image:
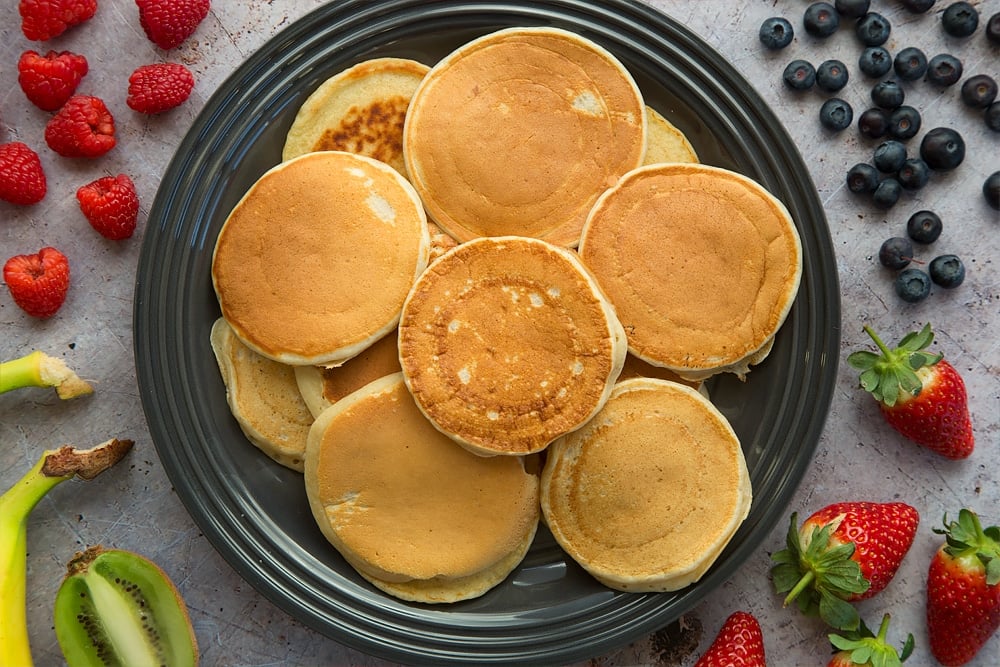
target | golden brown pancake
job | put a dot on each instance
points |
(519, 131)
(637, 368)
(702, 265)
(649, 492)
(664, 142)
(263, 397)
(407, 507)
(359, 110)
(314, 262)
(507, 343)
(440, 241)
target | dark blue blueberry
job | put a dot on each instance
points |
(862, 178)
(895, 253)
(873, 29)
(852, 9)
(889, 156)
(913, 285)
(924, 227)
(942, 149)
(979, 91)
(960, 19)
(993, 29)
(992, 116)
(836, 114)
(910, 64)
(904, 122)
(887, 193)
(831, 75)
(887, 94)
(873, 123)
(821, 19)
(776, 32)
(874, 61)
(948, 271)
(914, 174)
(918, 6)
(991, 190)
(944, 69)
(799, 75)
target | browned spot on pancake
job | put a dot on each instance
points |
(375, 130)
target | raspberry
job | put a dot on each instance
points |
(22, 180)
(45, 19)
(111, 205)
(38, 282)
(49, 80)
(156, 88)
(83, 127)
(167, 23)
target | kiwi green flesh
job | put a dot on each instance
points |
(117, 608)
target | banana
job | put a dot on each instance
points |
(53, 468)
(38, 369)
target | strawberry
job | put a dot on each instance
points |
(739, 643)
(49, 80)
(45, 19)
(864, 649)
(22, 179)
(168, 23)
(920, 394)
(843, 552)
(111, 205)
(38, 282)
(963, 589)
(83, 127)
(156, 88)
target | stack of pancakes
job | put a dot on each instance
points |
(485, 293)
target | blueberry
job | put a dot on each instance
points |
(887, 94)
(836, 114)
(913, 285)
(873, 29)
(895, 253)
(874, 61)
(873, 123)
(852, 9)
(799, 75)
(914, 174)
(918, 6)
(862, 178)
(991, 190)
(910, 64)
(821, 19)
(960, 19)
(944, 69)
(776, 32)
(904, 122)
(887, 193)
(942, 149)
(948, 271)
(979, 91)
(924, 227)
(992, 116)
(831, 75)
(889, 156)
(993, 29)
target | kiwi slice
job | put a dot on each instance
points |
(118, 608)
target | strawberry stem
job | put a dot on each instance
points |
(883, 348)
(803, 584)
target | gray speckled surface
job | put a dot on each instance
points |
(858, 456)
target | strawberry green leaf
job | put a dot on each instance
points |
(891, 375)
(836, 612)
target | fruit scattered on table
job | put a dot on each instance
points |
(991, 190)
(51, 79)
(863, 648)
(799, 75)
(22, 178)
(111, 205)
(38, 283)
(888, 94)
(873, 123)
(831, 75)
(45, 19)
(836, 114)
(887, 192)
(942, 149)
(904, 122)
(739, 643)
(159, 87)
(83, 127)
(168, 23)
(821, 19)
(914, 174)
(979, 91)
(875, 61)
(37, 369)
(895, 253)
(960, 19)
(862, 178)
(873, 29)
(924, 226)
(776, 32)
(912, 285)
(889, 156)
(947, 271)
(944, 69)
(852, 9)
(910, 64)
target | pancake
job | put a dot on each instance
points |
(264, 398)
(440, 241)
(702, 265)
(314, 262)
(407, 507)
(637, 368)
(507, 343)
(519, 131)
(359, 110)
(648, 493)
(664, 142)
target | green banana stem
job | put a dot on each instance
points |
(52, 468)
(38, 369)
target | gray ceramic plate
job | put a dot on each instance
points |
(255, 512)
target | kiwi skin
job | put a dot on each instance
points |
(118, 608)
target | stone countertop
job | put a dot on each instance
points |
(858, 457)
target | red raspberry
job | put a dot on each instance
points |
(156, 88)
(45, 19)
(50, 80)
(22, 180)
(169, 22)
(83, 127)
(111, 205)
(38, 282)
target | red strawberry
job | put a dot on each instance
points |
(83, 127)
(49, 80)
(111, 205)
(963, 590)
(169, 22)
(864, 649)
(739, 643)
(22, 179)
(919, 394)
(156, 88)
(45, 19)
(842, 553)
(38, 282)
